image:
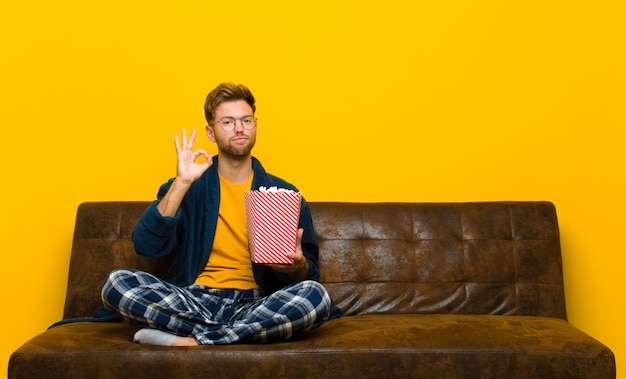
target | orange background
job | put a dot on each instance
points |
(357, 101)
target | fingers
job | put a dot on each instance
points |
(299, 238)
(192, 138)
(187, 169)
(185, 136)
(185, 152)
(187, 144)
(177, 143)
(201, 152)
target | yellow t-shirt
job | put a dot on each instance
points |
(229, 264)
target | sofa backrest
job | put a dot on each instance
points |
(469, 258)
(473, 258)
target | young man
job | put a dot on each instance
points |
(213, 293)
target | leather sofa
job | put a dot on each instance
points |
(428, 290)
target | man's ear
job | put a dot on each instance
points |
(210, 133)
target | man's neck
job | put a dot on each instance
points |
(236, 171)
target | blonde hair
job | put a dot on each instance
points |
(226, 92)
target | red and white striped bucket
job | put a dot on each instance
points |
(272, 218)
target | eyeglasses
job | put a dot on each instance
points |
(228, 123)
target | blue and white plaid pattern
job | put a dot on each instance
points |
(216, 316)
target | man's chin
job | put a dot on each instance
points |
(236, 154)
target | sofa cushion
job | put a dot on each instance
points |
(365, 346)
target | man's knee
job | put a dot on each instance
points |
(318, 295)
(114, 284)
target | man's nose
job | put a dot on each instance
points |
(238, 124)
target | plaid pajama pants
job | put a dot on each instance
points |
(216, 316)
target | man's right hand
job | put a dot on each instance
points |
(188, 169)
(187, 172)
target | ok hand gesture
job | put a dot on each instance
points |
(188, 169)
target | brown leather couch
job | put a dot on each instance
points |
(445, 290)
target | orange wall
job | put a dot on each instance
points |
(358, 101)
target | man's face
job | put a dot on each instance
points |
(237, 143)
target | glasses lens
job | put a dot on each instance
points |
(227, 123)
(247, 122)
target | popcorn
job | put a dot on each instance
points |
(275, 189)
(272, 216)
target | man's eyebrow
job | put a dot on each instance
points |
(245, 115)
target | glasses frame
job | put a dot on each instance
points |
(234, 125)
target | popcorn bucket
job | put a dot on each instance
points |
(272, 218)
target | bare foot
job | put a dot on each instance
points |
(184, 341)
